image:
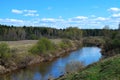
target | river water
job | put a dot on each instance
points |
(57, 67)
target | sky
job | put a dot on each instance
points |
(85, 14)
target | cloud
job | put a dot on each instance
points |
(82, 22)
(91, 21)
(77, 19)
(51, 20)
(114, 9)
(101, 19)
(116, 15)
(17, 11)
(11, 20)
(81, 17)
(31, 13)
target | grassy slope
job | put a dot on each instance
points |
(107, 69)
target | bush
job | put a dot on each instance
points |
(116, 43)
(4, 50)
(62, 45)
(44, 45)
(65, 43)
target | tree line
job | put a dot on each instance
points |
(8, 33)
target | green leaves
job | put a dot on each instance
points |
(44, 45)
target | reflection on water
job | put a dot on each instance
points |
(54, 69)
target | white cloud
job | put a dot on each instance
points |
(101, 19)
(26, 12)
(48, 20)
(51, 20)
(31, 14)
(116, 15)
(12, 20)
(30, 11)
(81, 17)
(114, 9)
(16, 11)
(78, 19)
(56, 23)
(97, 22)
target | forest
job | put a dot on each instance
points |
(13, 33)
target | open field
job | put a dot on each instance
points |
(20, 46)
(23, 46)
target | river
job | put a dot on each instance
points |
(57, 67)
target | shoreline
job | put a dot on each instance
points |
(38, 59)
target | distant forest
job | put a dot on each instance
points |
(8, 33)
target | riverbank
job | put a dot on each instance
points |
(21, 58)
(106, 69)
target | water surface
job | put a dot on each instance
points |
(43, 71)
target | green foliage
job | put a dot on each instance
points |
(44, 45)
(73, 33)
(4, 50)
(116, 43)
(112, 43)
(65, 43)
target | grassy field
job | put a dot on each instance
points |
(20, 46)
(107, 69)
(23, 46)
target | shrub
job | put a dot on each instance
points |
(4, 50)
(116, 43)
(44, 45)
(62, 45)
(65, 43)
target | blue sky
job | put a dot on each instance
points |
(61, 13)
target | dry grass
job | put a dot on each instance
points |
(23, 46)
(20, 46)
(56, 41)
(20, 43)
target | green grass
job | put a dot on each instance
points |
(107, 69)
